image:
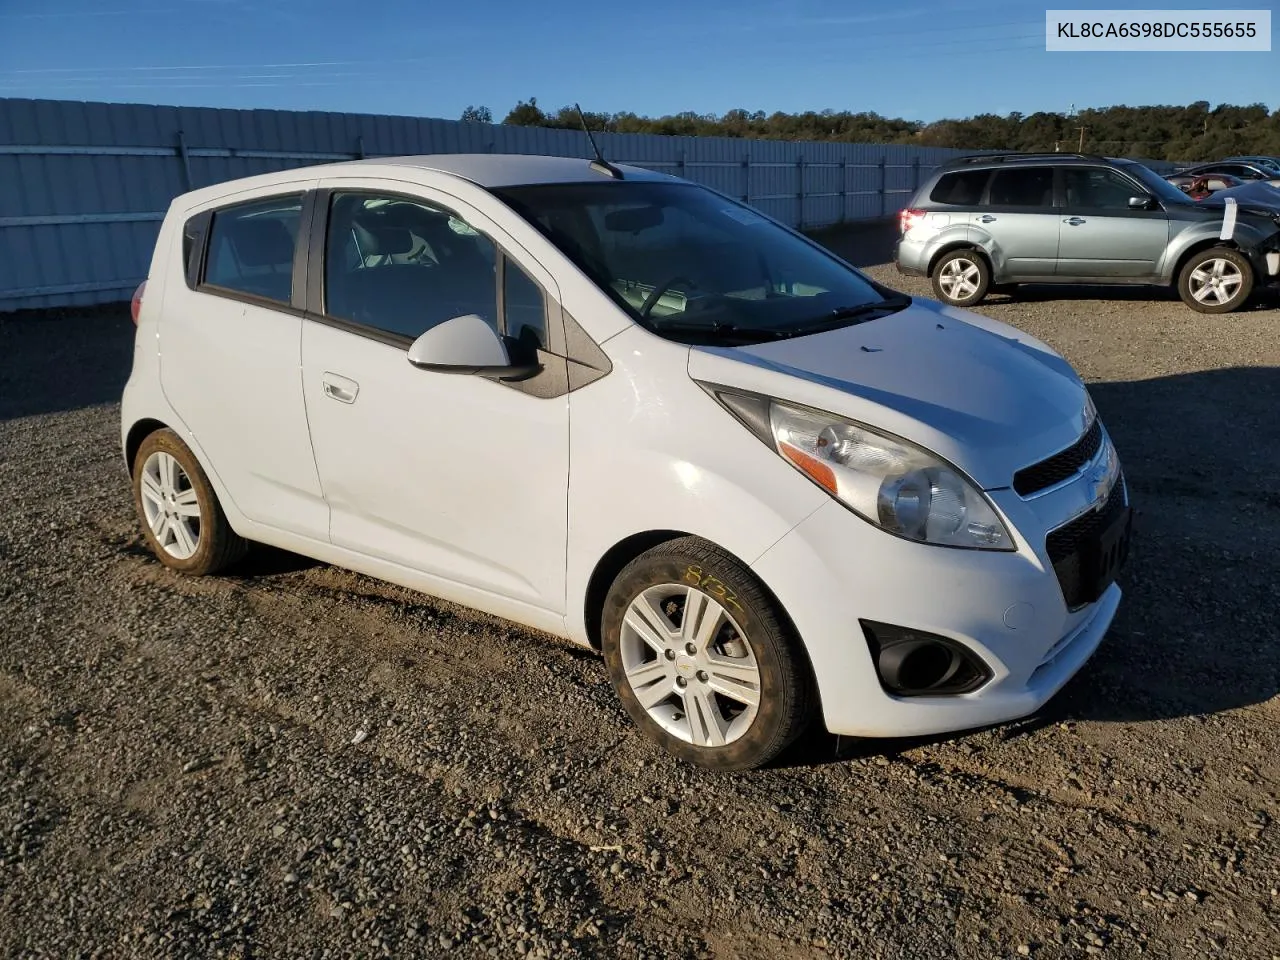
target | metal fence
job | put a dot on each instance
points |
(84, 186)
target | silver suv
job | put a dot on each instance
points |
(995, 221)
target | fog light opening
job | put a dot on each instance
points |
(913, 663)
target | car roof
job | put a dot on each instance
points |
(1236, 161)
(980, 160)
(510, 169)
(487, 170)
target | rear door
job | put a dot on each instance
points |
(1018, 224)
(230, 345)
(1100, 235)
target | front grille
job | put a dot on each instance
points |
(1074, 550)
(1060, 466)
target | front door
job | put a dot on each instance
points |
(1100, 235)
(458, 477)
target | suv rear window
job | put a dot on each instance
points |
(1022, 187)
(962, 188)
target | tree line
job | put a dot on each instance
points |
(1194, 132)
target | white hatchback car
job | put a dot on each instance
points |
(630, 411)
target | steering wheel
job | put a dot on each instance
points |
(652, 300)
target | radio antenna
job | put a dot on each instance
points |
(599, 164)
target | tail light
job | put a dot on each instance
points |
(909, 218)
(135, 305)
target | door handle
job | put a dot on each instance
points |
(986, 218)
(339, 388)
(1075, 221)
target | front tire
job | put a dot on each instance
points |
(181, 518)
(961, 278)
(1217, 280)
(702, 659)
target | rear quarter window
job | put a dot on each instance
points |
(961, 188)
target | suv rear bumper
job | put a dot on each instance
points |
(911, 258)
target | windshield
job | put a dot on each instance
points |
(694, 266)
(1157, 184)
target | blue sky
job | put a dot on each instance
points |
(919, 59)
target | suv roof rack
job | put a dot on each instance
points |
(1004, 157)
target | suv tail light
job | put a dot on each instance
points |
(135, 305)
(909, 218)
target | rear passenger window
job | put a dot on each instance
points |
(1022, 187)
(962, 188)
(251, 248)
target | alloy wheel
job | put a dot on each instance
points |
(1215, 281)
(959, 278)
(171, 505)
(689, 665)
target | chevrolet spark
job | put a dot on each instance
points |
(627, 410)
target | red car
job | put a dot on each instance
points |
(1199, 186)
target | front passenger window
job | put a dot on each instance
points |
(1098, 188)
(523, 307)
(403, 266)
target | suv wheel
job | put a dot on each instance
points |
(181, 518)
(1217, 280)
(701, 658)
(961, 278)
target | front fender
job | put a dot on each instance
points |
(650, 450)
(1248, 238)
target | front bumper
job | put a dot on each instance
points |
(1005, 607)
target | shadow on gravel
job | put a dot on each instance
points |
(56, 360)
(265, 561)
(1196, 630)
(1264, 299)
(861, 244)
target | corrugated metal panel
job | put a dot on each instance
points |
(83, 185)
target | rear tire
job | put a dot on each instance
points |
(1216, 280)
(727, 687)
(961, 278)
(181, 518)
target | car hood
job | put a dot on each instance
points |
(977, 392)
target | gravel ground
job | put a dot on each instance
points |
(178, 775)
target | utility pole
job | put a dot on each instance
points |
(1081, 129)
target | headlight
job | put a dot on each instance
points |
(896, 485)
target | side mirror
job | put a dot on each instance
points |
(1141, 203)
(467, 345)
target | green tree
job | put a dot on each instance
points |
(1191, 132)
(477, 115)
(526, 115)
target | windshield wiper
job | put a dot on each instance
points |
(846, 316)
(717, 329)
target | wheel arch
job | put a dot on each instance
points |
(607, 569)
(1199, 246)
(624, 551)
(959, 245)
(138, 433)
